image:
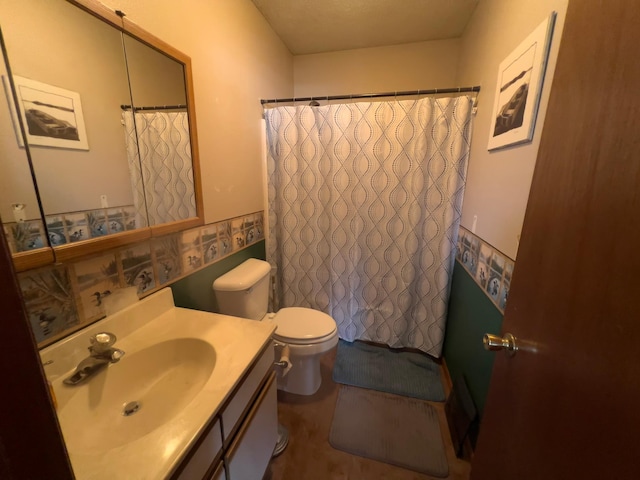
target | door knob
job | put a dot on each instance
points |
(494, 343)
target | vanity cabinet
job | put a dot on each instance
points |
(249, 454)
(207, 452)
(239, 442)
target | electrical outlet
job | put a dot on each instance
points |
(103, 201)
(474, 224)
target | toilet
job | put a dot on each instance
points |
(305, 334)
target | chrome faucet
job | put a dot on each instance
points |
(101, 353)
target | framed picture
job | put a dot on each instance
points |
(52, 116)
(518, 88)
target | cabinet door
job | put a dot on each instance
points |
(249, 455)
(204, 455)
(239, 403)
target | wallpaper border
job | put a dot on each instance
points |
(64, 298)
(491, 269)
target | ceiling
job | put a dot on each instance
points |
(315, 26)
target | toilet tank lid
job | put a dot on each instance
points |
(243, 277)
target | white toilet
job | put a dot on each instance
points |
(244, 292)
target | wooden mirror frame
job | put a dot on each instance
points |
(67, 252)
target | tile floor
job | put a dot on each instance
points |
(309, 455)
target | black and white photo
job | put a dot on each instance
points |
(52, 116)
(518, 89)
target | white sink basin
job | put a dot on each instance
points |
(180, 365)
(160, 380)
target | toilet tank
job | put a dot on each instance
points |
(244, 291)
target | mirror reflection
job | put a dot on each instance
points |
(96, 103)
(160, 119)
(19, 208)
(70, 83)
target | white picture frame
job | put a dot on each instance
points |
(518, 88)
(52, 116)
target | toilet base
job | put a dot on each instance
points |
(304, 377)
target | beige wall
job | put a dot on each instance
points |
(15, 177)
(411, 66)
(498, 183)
(237, 60)
(155, 79)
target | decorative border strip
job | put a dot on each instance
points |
(63, 298)
(71, 227)
(490, 268)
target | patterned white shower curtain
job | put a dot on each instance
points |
(364, 209)
(162, 174)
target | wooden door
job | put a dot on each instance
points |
(567, 405)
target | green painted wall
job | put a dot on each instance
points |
(471, 315)
(196, 291)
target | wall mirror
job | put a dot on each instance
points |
(160, 118)
(113, 165)
(19, 205)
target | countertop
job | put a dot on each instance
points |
(237, 343)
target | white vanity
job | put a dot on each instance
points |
(193, 397)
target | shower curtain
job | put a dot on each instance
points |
(364, 208)
(160, 165)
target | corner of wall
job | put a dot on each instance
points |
(196, 290)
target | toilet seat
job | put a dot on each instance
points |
(301, 326)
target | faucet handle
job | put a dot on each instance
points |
(102, 342)
(116, 355)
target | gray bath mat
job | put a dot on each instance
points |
(380, 368)
(398, 430)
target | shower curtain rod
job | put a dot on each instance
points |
(157, 107)
(433, 91)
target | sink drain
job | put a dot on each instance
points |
(130, 408)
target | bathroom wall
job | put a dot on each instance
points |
(479, 292)
(63, 298)
(411, 66)
(196, 290)
(237, 59)
(498, 182)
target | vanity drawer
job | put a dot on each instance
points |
(251, 450)
(241, 400)
(206, 452)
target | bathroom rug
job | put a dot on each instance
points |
(389, 428)
(387, 370)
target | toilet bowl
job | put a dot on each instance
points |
(302, 334)
(308, 334)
